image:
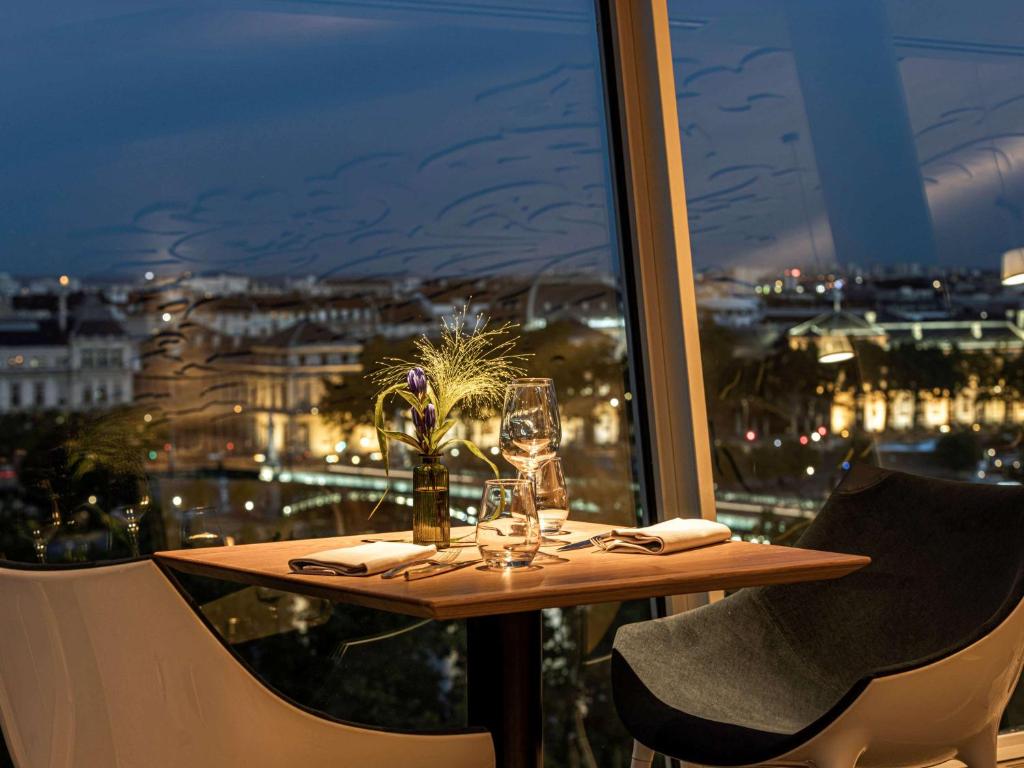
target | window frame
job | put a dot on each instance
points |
(640, 81)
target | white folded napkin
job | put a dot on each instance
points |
(361, 560)
(675, 535)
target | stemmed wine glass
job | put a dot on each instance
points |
(530, 428)
(529, 438)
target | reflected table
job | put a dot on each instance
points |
(502, 610)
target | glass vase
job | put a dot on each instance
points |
(431, 521)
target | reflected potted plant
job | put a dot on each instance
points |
(466, 371)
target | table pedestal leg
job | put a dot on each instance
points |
(504, 672)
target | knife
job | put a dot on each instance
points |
(435, 570)
(586, 543)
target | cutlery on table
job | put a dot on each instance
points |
(585, 544)
(444, 557)
(426, 571)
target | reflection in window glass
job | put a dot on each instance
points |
(217, 218)
(853, 177)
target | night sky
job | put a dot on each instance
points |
(335, 139)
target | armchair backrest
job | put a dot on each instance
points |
(947, 567)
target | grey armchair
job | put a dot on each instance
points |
(907, 662)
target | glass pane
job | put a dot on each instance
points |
(853, 177)
(216, 218)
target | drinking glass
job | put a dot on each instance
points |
(530, 427)
(550, 494)
(198, 529)
(508, 529)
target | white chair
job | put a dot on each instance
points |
(108, 667)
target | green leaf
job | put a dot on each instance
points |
(382, 440)
(471, 447)
(410, 398)
(409, 440)
(441, 430)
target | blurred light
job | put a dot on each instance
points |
(628, 396)
(981, 474)
(237, 408)
(166, 317)
(998, 463)
(777, 442)
(495, 450)
(168, 447)
(315, 411)
(64, 280)
(944, 429)
(267, 474)
(795, 272)
(176, 501)
(751, 435)
(149, 275)
(331, 458)
(845, 433)
(1013, 267)
(340, 446)
(470, 510)
(376, 456)
(845, 465)
(92, 499)
(147, 418)
(822, 431)
(809, 470)
(815, 437)
(152, 455)
(804, 440)
(819, 288)
(834, 349)
(356, 459)
(229, 541)
(976, 427)
(454, 451)
(259, 458)
(364, 441)
(614, 402)
(936, 284)
(249, 506)
(230, 446)
(991, 451)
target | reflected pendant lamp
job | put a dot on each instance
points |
(834, 349)
(1013, 267)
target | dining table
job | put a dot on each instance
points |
(502, 609)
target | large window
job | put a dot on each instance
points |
(216, 218)
(854, 179)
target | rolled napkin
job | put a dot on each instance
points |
(675, 535)
(361, 560)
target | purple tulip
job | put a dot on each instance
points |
(430, 416)
(416, 380)
(417, 420)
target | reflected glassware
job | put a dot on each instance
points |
(530, 427)
(200, 529)
(508, 529)
(550, 494)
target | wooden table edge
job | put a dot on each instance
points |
(556, 597)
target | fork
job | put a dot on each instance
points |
(444, 557)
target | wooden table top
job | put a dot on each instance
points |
(581, 577)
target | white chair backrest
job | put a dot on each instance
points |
(109, 666)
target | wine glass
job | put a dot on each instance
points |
(530, 427)
(508, 529)
(551, 496)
